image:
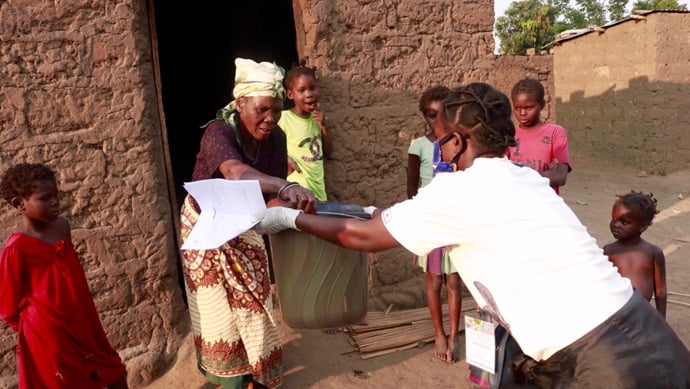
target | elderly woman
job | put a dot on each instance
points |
(524, 256)
(228, 288)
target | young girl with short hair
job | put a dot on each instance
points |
(541, 146)
(45, 296)
(634, 257)
(423, 164)
(304, 125)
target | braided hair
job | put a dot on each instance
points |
(641, 204)
(480, 105)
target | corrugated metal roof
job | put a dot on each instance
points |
(636, 15)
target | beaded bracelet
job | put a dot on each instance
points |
(283, 189)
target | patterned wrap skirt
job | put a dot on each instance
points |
(437, 262)
(229, 296)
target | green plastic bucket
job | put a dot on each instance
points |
(319, 284)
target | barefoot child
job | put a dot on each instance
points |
(640, 261)
(436, 264)
(522, 252)
(308, 142)
(45, 296)
(541, 146)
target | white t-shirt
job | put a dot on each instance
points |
(521, 251)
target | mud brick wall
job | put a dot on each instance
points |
(374, 59)
(77, 93)
(623, 93)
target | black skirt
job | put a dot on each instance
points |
(634, 348)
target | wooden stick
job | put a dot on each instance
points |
(378, 320)
(678, 302)
(381, 333)
(394, 337)
(678, 294)
(388, 351)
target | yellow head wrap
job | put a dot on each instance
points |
(252, 79)
(258, 79)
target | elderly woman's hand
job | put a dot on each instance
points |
(299, 198)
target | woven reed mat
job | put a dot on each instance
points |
(386, 332)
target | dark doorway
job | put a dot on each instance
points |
(197, 46)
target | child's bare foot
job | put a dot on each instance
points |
(440, 347)
(452, 353)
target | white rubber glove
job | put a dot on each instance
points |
(276, 219)
(370, 210)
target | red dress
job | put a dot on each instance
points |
(44, 296)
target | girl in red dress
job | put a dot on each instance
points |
(44, 295)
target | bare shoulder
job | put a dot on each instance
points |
(654, 250)
(611, 248)
(651, 249)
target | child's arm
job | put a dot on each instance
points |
(557, 174)
(326, 141)
(560, 157)
(292, 166)
(10, 287)
(660, 281)
(413, 163)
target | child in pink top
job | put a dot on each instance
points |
(541, 146)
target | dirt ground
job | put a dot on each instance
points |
(313, 359)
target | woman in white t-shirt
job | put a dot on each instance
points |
(525, 257)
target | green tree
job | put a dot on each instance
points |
(592, 13)
(658, 4)
(617, 9)
(526, 24)
(535, 23)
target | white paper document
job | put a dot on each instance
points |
(228, 208)
(480, 344)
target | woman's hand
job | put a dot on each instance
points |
(298, 197)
